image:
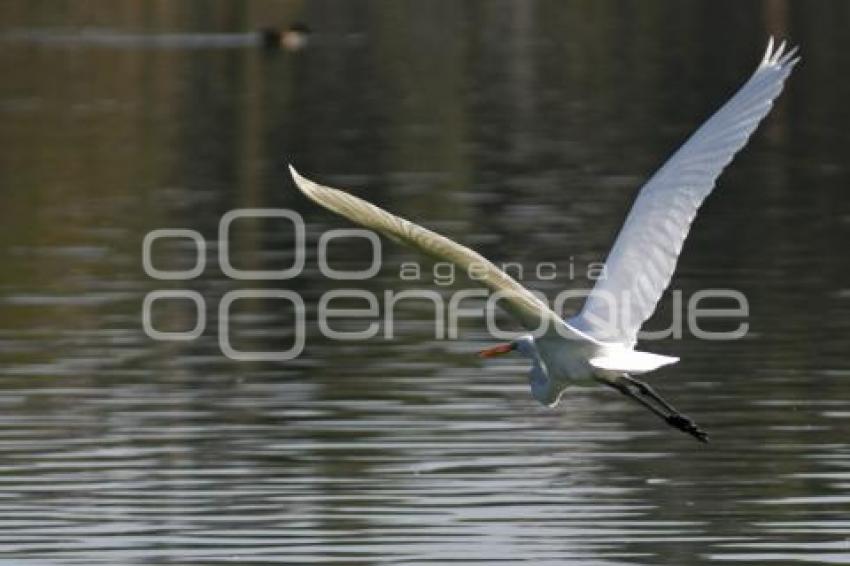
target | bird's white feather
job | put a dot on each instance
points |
(641, 263)
(631, 361)
(524, 305)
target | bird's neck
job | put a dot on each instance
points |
(542, 388)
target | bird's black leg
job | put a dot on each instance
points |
(643, 394)
(674, 418)
(627, 391)
(648, 391)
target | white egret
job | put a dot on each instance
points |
(597, 344)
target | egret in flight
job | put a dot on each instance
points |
(597, 344)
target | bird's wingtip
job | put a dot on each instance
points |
(301, 182)
(783, 55)
(768, 51)
(293, 172)
(790, 58)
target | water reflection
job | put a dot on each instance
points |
(520, 128)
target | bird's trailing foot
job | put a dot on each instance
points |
(673, 418)
(683, 423)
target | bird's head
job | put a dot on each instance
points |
(524, 345)
(542, 388)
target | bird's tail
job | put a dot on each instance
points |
(631, 361)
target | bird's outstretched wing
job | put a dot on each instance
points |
(527, 308)
(642, 261)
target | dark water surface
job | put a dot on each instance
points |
(522, 129)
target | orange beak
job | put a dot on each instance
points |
(497, 350)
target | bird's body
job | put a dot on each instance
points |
(597, 344)
(558, 364)
(561, 362)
